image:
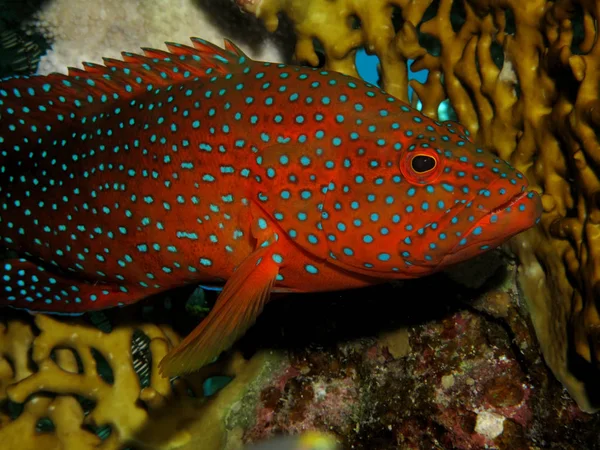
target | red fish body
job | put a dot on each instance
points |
(199, 165)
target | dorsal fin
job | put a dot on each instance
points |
(31, 108)
(131, 75)
(230, 46)
(208, 48)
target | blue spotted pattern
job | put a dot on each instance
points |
(148, 173)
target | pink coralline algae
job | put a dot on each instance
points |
(473, 379)
(307, 401)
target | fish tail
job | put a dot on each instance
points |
(26, 285)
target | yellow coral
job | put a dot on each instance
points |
(539, 110)
(15, 340)
(161, 416)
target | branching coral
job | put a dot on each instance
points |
(524, 81)
(89, 30)
(162, 415)
(19, 53)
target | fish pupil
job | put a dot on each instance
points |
(423, 163)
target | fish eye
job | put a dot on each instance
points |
(423, 163)
(422, 166)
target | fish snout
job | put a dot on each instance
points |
(519, 213)
(507, 208)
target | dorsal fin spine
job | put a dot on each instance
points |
(231, 47)
(204, 59)
(45, 98)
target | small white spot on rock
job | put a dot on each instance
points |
(489, 424)
(320, 391)
(447, 381)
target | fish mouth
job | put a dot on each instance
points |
(508, 204)
(490, 229)
(519, 213)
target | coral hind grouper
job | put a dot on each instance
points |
(199, 165)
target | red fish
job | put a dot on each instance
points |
(199, 165)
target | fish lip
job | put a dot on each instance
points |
(507, 204)
(457, 209)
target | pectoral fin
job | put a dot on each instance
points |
(241, 301)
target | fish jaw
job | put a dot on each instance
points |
(521, 212)
(492, 214)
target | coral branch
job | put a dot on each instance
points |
(163, 415)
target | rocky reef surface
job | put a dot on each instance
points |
(448, 361)
(454, 367)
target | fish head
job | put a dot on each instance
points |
(410, 207)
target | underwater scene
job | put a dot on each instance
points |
(299, 224)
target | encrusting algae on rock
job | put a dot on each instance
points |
(522, 76)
